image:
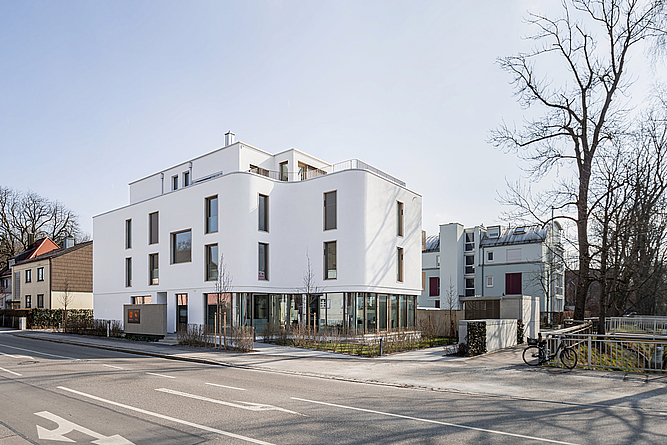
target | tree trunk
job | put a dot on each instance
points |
(582, 236)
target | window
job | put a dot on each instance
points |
(470, 264)
(470, 241)
(40, 274)
(153, 268)
(284, 176)
(263, 262)
(470, 287)
(399, 218)
(128, 234)
(437, 304)
(186, 179)
(28, 275)
(141, 300)
(330, 261)
(330, 210)
(153, 232)
(513, 255)
(174, 182)
(512, 284)
(181, 247)
(263, 213)
(212, 262)
(489, 281)
(434, 286)
(437, 260)
(40, 301)
(399, 264)
(28, 302)
(128, 272)
(182, 308)
(212, 214)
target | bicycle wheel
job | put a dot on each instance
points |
(568, 357)
(531, 355)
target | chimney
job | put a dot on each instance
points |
(229, 138)
(68, 242)
(31, 239)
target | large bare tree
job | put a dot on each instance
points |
(579, 113)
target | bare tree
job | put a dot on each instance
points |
(223, 292)
(583, 113)
(66, 298)
(451, 299)
(309, 289)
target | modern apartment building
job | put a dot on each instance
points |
(269, 215)
(492, 263)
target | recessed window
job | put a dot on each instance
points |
(142, 300)
(284, 175)
(513, 284)
(399, 217)
(28, 301)
(399, 264)
(470, 241)
(330, 210)
(40, 301)
(263, 208)
(186, 179)
(174, 182)
(128, 233)
(489, 281)
(437, 260)
(40, 274)
(489, 256)
(28, 275)
(128, 272)
(470, 264)
(433, 286)
(154, 268)
(212, 214)
(263, 261)
(212, 262)
(330, 272)
(470, 287)
(153, 228)
(181, 247)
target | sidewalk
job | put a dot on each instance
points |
(501, 373)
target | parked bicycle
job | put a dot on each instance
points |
(537, 352)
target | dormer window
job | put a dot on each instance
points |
(519, 230)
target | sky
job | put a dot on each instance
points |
(97, 94)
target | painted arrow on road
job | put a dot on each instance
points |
(65, 427)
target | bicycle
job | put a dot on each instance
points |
(537, 352)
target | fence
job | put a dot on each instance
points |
(437, 322)
(637, 325)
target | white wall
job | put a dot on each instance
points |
(451, 259)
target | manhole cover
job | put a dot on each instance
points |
(635, 378)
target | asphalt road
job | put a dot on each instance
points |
(56, 393)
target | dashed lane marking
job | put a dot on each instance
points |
(224, 386)
(162, 375)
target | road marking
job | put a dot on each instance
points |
(112, 366)
(65, 427)
(246, 405)
(37, 352)
(437, 422)
(11, 372)
(171, 419)
(17, 356)
(162, 375)
(223, 386)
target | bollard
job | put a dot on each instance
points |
(108, 328)
(381, 347)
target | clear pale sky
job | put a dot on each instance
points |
(96, 94)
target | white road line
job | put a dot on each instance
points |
(112, 366)
(437, 422)
(171, 419)
(161, 375)
(223, 386)
(17, 356)
(245, 405)
(37, 352)
(11, 372)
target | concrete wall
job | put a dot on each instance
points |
(500, 334)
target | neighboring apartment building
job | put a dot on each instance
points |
(5, 287)
(359, 227)
(493, 262)
(43, 281)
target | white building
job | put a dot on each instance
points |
(491, 263)
(360, 227)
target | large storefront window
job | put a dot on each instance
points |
(371, 319)
(382, 312)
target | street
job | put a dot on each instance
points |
(63, 393)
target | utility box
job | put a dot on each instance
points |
(147, 320)
(23, 323)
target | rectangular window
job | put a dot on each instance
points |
(153, 268)
(28, 302)
(489, 281)
(470, 287)
(141, 300)
(283, 171)
(182, 308)
(512, 284)
(153, 228)
(40, 301)
(128, 234)
(212, 262)
(128, 272)
(186, 179)
(434, 286)
(470, 264)
(489, 256)
(263, 213)
(399, 217)
(437, 260)
(28, 275)
(174, 182)
(330, 210)
(470, 241)
(181, 247)
(513, 255)
(263, 262)
(212, 214)
(399, 264)
(40, 274)
(17, 285)
(330, 272)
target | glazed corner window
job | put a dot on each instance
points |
(212, 214)
(174, 182)
(28, 275)
(399, 264)
(128, 233)
(153, 226)
(181, 247)
(399, 217)
(128, 272)
(212, 262)
(263, 261)
(40, 274)
(40, 301)
(186, 179)
(330, 261)
(263, 213)
(154, 268)
(330, 210)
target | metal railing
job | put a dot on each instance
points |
(356, 164)
(637, 325)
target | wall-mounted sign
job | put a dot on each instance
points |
(134, 315)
